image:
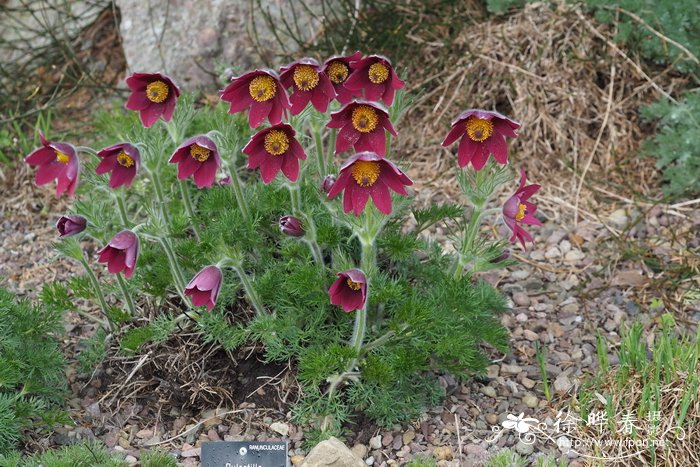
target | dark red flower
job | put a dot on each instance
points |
(204, 287)
(362, 124)
(349, 290)
(123, 160)
(70, 225)
(56, 161)
(153, 95)
(275, 148)
(290, 225)
(483, 132)
(197, 156)
(260, 90)
(339, 68)
(376, 77)
(518, 210)
(121, 253)
(308, 85)
(364, 175)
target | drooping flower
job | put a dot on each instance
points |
(483, 132)
(56, 161)
(153, 95)
(349, 290)
(69, 225)
(364, 175)
(376, 77)
(518, 210)
(197, 156)
(308, 85)
(338, 69)
(204, 287)
(328, 182)
(260, 90)
(123, 160)
(275, 148)
(290, 225)
(362, 124)
(121, 253)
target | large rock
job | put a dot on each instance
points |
(332, 452)
(192, 41)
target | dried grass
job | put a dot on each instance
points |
(576, 93)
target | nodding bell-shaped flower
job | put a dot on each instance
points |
(274, 149)
(483, 132)
(290, 225)
(204, 287)
(123, 160)
(308, 85)
(375, 76)
(69, 225)
(327, 183)
(152, 95)
(349, 290)
(362, 124)
(518, 210)
(338, 68)
(121, 253)
(364, 175)
(56, 161)
(197, 156)
(262, 92)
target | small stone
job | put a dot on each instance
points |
(369, 460)
(387, 439)
(360, 450)
(562, 383)
(473, 449)
(194, 452)
(530, 401)
(530, 335)
(488, 390)
(408, 437)
(570, 308)
(521, 299)
(491, 418)
(574, 255)
(618, 218)
(332, 452)
(492, 371)
(397, 443)
(131, 460)
(281, 428)
(443, 453)
(521, 317)
(524, 448)
(552, 253)
(375, 442)
(144, 434)
(297, 460)
(528, 383)
(510, 369)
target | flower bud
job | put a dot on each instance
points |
(70, 225)
(502, 257)
(328, 183)
(291, 226)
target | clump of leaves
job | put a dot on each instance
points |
(675, 144)
(31, 367)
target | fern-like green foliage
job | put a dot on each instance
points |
(31, 366)
(676, 143)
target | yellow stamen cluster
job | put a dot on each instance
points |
(365, 173)
(338, 72)
(157, 91)
(200, 153)
(276, 142)
(522, 210)
(378, 73)
(364, 118)
(61, 157)
(125, 160)
(479, 129)
(262, 88)
(305, 77)
(353, 285)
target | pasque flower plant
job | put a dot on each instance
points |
(301, 264)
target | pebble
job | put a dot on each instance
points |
(443, 453)
(552, 253)
(297, 460)
(524, 448)
(408, 437)
(488, 390)
(521, 317)
(369, 460)
(562, 383)
(530, 401)
(574, 255)
(375, 442)
(528, 383)
(492, 371)
(510, 369)
(521, 299)
(387, 439)
(281, 428)
(360, 450)
(491, 418)
(530, 335)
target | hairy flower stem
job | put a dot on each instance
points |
(127, 295)
(310, 236)
(249, 290)
(368, 264)
(184, 192)
(320, 156)
(175, 270)
(331, 147)
(122, 208)
(467, 251)
(238, 193)
(160, 194)
(100, 295)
